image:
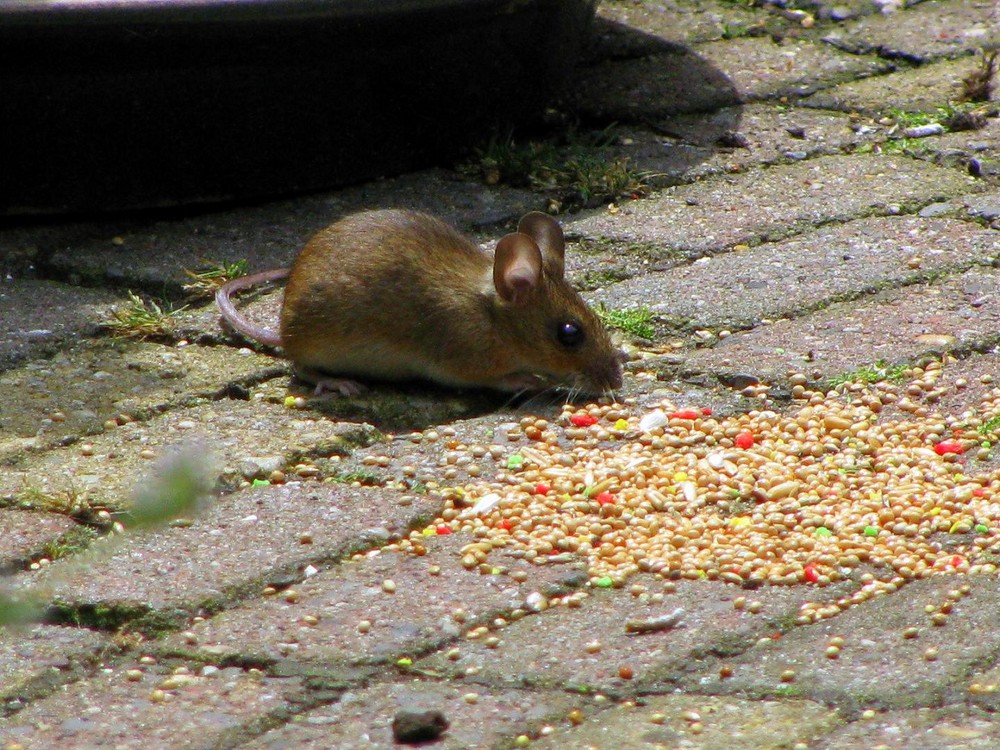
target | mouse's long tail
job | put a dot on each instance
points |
(266, 336)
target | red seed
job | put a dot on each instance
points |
(605, 498)
(505, 524)
(442, 530)
(948, 446)
(542, 489)
(744, 440)
(706, 410)
(810, 574)
(583, 420)
(625, 672)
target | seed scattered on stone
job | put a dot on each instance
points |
(134, 675)
(788, 675)
(471, 698)
(593, 647)
(653, 624)
(364, 626)
(931, 654)
(389, 586)
(575, 716)
(626, 672)
(832, 652)
(810, 496)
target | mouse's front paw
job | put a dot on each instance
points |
(343, 386)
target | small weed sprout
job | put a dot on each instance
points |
(576, 167)
(207, 280)
(141, 319)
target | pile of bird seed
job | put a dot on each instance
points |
(863, 479)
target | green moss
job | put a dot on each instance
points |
(990, 426)
(360, 476)
(634, 321)
(75, 540)
(880, 371)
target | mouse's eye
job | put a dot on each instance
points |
(570, 334)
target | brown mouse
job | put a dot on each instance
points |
(398, 295)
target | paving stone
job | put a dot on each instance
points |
(240, 544)
(956, 727)
(551, 649)
(714, 75)
(632, 29)
(109, 710)
(683, 148)
(35, 659)
(418, 616)
(656, 86)
(848, 335)
(721, 724)
(787, 278)
(24, 534)
(106, 469)
(362, 719)
(75, 392)
(983, 688)
(153, 254)
(877, 667)
(772, 136)
(762, 68)
(711, 216)
(958, 149)
(37, 318)
(923, 31)
(922, 89)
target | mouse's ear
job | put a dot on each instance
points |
(547, 233)
(517, 268)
